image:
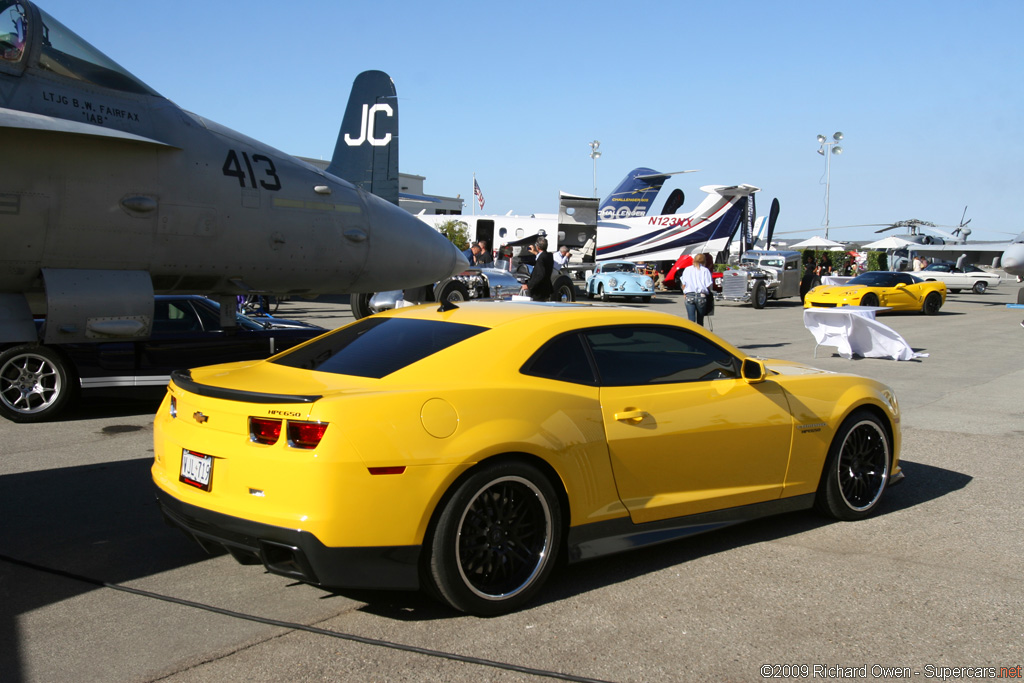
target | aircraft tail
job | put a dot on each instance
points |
(773, 215)
(633, 196)
(366, 153)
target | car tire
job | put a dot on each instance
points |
(758, 295)
(857, 468)
(645, 299)
(932, 303)
(954, 291)
(360, 305)
(602, 293)
(979, 287)
(590, 294)
(36, 383)
(869, 299)
(496, 539)
(565, 290)
(451, 290)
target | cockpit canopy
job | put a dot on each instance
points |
(27, 32)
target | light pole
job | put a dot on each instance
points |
(834, 148)
(594, 154)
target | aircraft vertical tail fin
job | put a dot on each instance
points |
(366, 153)
(633, 196)
(773, 215)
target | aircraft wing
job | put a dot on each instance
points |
(730, 190)
(977, 252)
(13, 118)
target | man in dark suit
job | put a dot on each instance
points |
(539, 283)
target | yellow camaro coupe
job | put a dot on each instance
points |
(898, 291)
(467, 449)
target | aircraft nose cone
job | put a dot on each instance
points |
(405, 252)
(1013, 259)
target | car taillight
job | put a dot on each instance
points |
(264, 431)
(305, 434)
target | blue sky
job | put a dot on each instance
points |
(927, 94)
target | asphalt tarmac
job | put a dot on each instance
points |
(94, 587)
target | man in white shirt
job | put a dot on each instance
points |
(697, 289)
(562, 257)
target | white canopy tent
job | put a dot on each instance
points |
(890, 242)
(816, 242)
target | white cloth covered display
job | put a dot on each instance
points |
(854, 331)
(835, 279)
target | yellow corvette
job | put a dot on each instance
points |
(899, 291)
(465, 449)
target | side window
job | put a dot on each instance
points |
(636, 355)
(563, 358)
(170, 318)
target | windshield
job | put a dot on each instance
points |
(620, 268)
(66, 54)
(882, 278)
(376, 347)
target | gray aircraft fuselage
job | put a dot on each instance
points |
(103, 177)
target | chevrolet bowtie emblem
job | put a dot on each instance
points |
(199, 417)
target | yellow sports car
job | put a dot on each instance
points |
(899, 291)
(466, 448)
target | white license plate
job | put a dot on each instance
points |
(196, 469)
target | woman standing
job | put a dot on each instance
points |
(697, 289)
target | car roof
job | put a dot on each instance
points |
(545, 318)
(498, 313)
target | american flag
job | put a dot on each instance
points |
(478, 193)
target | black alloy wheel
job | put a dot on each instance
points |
(857, 469)
(932, 303)
(869, 299)
(496, 539)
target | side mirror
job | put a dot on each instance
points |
(901, 285)
(753, 371)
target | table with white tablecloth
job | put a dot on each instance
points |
(854, 331)
(835, 279)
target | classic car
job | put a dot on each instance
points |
(366, 459)
(619, 279)
(968, 277)
(898, 291)
(37, 380)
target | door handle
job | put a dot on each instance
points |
(631, 415)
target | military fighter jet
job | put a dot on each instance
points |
(110, 193)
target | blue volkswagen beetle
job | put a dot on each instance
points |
(619, 278)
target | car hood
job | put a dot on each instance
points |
(785, 367)
(840, 290)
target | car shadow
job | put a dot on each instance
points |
(113, 403)
(923, 483)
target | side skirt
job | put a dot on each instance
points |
(614, 536)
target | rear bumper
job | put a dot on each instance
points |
(295, 553)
